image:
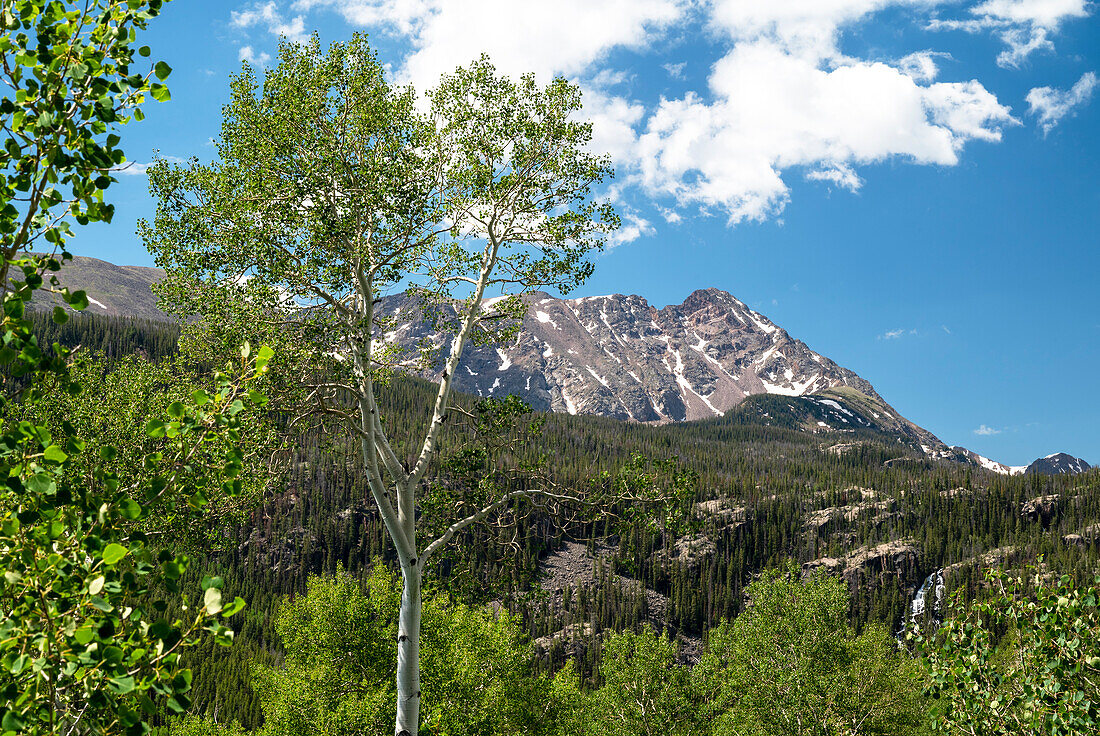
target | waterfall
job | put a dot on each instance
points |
(933, 584)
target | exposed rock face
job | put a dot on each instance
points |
(1088, 535)
(817, 521)
(870, 565)
(572, 567)
(620, 357)
(1042, 508)
(997, 557)
(965, 455)
(1058, 464)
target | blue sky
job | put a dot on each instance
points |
(912, 187)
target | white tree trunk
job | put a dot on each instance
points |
(408, 652)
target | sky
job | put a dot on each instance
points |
(911, 187)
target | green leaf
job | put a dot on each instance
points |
(129, 509)
(19, 664)
(162, 70)
(233, 608)
(263, 355)
(212, 601)
(41, 483)
(55, 454)
(96, 585)
(113, 553)
(123, 685)
(60, 316)
(84, 634)
(200, 397)
(161, 630)
(78, 300)
(12, 723)
(159, 92)
(209, 581)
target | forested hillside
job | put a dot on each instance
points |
(869, 510)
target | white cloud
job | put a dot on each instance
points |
(676, 71)
(672, 217)
(133, 168)
(139, 168)
(807, 28)
(399, 16)
(781, 99)
(1025, 26)
(633, 227)
(1051, 105)
(1043, 13)
(257, 60)
(268, 16)
(773, 109)
(841, 175)
(891, 334)
(546, 37)
(986, 431)
(921, 65)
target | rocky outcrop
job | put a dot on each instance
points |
(877, 511)
(872, 566)
(1041, 508)
(1089, 535)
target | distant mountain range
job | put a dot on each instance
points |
(620, 357)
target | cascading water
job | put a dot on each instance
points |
(933, 585)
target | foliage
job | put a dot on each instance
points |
(338, 676)
(317, 520)
(72, 75)
(645, 690)
(84, 639)
(789, 664)
(137, 389)
(1025, 659)
(85, 643)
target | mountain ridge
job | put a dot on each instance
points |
(619, 356)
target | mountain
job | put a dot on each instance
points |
(988, 464)
(1057, 464)
(115, 291)
(620, 357)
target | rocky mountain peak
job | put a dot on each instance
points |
(617, 355)
(1059, 463)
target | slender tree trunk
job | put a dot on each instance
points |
(408, 652)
